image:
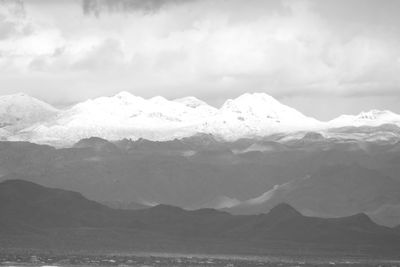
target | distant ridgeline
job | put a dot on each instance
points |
(318, 175)
(24, 118)
(38, 217)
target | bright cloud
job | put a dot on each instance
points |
(66, 51)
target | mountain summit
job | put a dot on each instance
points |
(262, 106)
(125, 115)
(370, 118)
(20, 110)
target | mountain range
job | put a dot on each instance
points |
(318, 175)
(38, 217)
(24, 118)
(244, 158)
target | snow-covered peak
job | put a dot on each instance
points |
(191, 101)
(159, 100)
(123, 102)
(125, 115)
(123, 95)
(256, 115)
(377, 115)
(258, 104)
(265, 108)
(370, 118)
(23, 99)
(125, 106)
(250, 99)
(18, 110)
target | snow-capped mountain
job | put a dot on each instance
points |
(123, 116)
(262, 106)
(192, 102)
(128, 116)
(370, 118)
(256, 115)
(18, 111)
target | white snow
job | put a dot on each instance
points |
(128, 116)
(254, 115)
(191, 101)
(370, 118)
(20, 110)
(122, 116)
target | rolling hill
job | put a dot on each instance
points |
(33, 213)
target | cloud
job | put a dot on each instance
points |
(210, 49)
(106, 55)
(12, 14)
(149, 6)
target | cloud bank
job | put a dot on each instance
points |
(99, 6)
(66, 51)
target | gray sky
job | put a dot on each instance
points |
(321, 57)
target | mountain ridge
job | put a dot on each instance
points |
(124, 115)
(351, 188)
(35, 216)
(347, 176)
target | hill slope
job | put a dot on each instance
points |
(52, 213)
(332, 191)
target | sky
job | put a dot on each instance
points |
(324, 58)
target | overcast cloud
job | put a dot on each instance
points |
(322, 57)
